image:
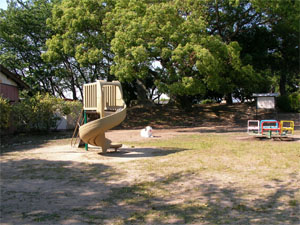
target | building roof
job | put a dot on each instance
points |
(265, 95)
(16, 78)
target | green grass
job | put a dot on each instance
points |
(223, 154)
(41, 217)
(215, 179)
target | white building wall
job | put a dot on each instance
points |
(65, 122)
(5, 80)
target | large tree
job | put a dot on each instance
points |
(23, 33)
(267, 31)
(170, 41)
(188, 49)
(282, 19)
(78, 44)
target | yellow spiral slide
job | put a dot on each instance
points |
(106, 98)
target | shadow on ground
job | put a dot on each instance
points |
(24, 141)
(210, 203)
(35, 190)
(141, 152)
(63, 192)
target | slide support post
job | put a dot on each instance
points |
(85, 121)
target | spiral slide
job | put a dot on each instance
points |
(106, 99)
(93, 133)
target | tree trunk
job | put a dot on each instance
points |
(73, 89)
(184, 102)
(228, 99)
(142, 93)
(282, 84)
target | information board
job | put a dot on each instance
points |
(265, 102)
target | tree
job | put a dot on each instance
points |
(187, 49)
(169, 41)
(23, 33)
(79, 46)
(268, 33)
(284, 17)
(238, 21)
(275, 42)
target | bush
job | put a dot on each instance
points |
(41, 112)
(35, 113)
(294, 100)
(5, 109)
(289, 103)
(70, 108)
(208, 101)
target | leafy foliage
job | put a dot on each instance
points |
(169, 42)
(190, 50)
(282, 20)
(23, 33)
(79, 42)
(40, 112)
(35, 113)
(289, 103)
(5, 109)
(71, 108)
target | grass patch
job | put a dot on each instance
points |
(41, 216)
(214, 179)
(222, 154)
(46, 217)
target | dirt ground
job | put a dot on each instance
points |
(134, 135)
(53, 183)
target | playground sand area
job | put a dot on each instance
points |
(146, 182)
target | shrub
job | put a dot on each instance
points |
(208, 101)
(289, 103)
(41, 112)
(282, 103)
(5, 109)
(294, 100)
(35, 113)
(70, 108)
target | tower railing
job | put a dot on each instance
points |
(102, 96)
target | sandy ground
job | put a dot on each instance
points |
(134, 135)
(48, 184)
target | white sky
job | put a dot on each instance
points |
(3, 4)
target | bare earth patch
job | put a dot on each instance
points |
(52, 183)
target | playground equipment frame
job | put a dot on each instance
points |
(270, 128)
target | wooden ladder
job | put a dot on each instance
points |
(76, 142)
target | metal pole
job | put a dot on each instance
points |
(256, 109)
(85, 121)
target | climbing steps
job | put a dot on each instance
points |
(76, 141)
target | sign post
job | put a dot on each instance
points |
(265, 101)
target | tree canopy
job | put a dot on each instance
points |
(23, 33)
(190, 50)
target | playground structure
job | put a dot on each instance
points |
(270, 128)
(104, 100)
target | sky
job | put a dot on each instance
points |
(3, 4)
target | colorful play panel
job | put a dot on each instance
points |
(270, 128)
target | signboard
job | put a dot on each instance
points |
(265, 102)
